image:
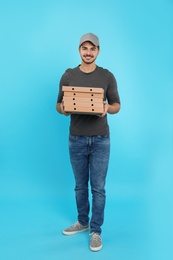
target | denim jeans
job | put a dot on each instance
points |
(89, 157)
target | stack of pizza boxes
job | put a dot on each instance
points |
(83, 100)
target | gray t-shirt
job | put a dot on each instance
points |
(89, 125)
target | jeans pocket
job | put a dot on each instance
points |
(103, 137)
(72, 138)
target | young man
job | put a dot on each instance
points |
(89, 140)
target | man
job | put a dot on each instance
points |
(89, 140)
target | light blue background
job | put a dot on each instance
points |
(38, 41)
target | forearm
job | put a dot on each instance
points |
(114, 108)
(110, 109)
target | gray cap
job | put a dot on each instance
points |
(89, 37)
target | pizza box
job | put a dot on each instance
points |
(83, 99)
(83, 110)
(83, 89)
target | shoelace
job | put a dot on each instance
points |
(95, 236)
(75, 224)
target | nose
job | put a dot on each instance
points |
(88, 52)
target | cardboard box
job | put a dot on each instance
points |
(83, 110)
(83, 100)
(79, 103)
(82, 89)
(83, 94)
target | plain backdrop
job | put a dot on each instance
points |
(38, 42)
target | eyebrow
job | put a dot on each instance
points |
(85, 47)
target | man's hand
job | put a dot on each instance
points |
(60, 109)
(105, 108)
(111, 109)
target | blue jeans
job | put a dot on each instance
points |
(89, 157)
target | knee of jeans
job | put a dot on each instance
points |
(98, 185)
(98, 191)
(81, 189)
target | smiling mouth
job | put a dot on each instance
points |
(88, 57)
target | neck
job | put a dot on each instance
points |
(87, 68)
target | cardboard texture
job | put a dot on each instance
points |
(85, 94)
(84, 104)
(82, 89)
(81, 109)
(83, 99)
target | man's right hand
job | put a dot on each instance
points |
(62, 110)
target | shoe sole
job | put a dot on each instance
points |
(95, 249)
(73, 232)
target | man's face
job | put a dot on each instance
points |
(88, 52)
